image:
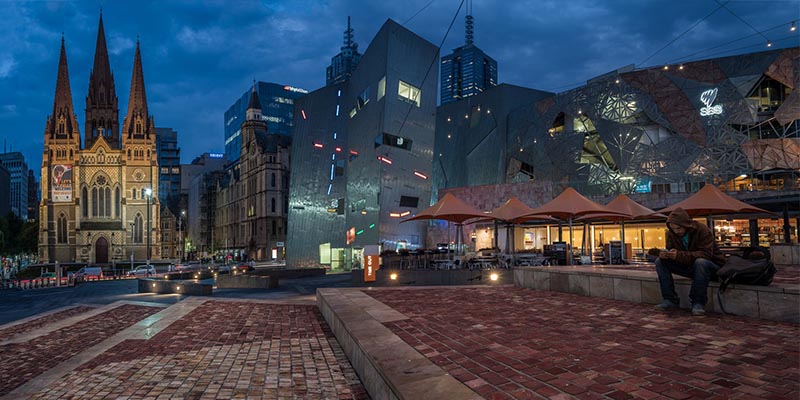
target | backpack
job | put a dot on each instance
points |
(753, 267)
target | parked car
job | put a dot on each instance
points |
(142, 270)
(89, 271)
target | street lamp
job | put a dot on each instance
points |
(132, 226)
(148, 193)
(180, 235)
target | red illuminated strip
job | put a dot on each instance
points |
(421, 175)
(353, 152)
(338, 149)
(318, 145)
(404, 213)
(384, 159)
(394, 215)
(303, 112)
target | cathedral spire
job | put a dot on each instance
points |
(102, 110)
(62, 123)
(137, 122)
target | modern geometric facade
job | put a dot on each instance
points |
(95, 199)
(253, 195)
(466, 71)
(277, 103)
(361, 154)
(729, 121)
(344, 63)
(14, 163)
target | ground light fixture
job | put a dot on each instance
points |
(393, 276)
(493, 277)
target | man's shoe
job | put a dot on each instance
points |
(666, 305)
(698, 310)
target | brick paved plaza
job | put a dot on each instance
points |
(508, 342)
(498, 342)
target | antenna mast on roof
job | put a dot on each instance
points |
(348, 35)
(469, 23)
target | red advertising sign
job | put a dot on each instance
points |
(371, 265)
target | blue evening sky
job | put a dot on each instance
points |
(199, 57)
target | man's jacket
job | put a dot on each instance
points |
(701, 240)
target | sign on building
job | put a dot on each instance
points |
(61, 183)
(371, 265)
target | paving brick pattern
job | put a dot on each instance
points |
(19, 362)
(223, 350)
(31, 325)
(508, 342)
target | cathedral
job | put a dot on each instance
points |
(99, 198)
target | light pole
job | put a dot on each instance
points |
(148, 192)
(180, 236)
(132, 225)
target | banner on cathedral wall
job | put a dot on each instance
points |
(61, 183)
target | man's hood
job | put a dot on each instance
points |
(681, 218)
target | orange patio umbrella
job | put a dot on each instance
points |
(709, 201)
(449, 208)
(569, 205)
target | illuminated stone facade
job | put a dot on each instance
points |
(252, 196)
(94, 206)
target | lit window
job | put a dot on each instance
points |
(381, 88)
(408, 93)
(363, 99)
(176, 170)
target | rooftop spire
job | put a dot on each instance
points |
(62, 121)
(102, 111)
(254, 106)
(137, 120)
(469, 21)
(348, 37)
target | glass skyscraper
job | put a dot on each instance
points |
(14, 163)
(277, 103)
(169, 164)
(467, 70)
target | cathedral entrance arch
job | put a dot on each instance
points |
(101, 251)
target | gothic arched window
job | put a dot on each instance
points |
(94, 202)
(85, 200)
(272, 180)
(117, 202)
(61, 236)
(138, 229)
(272, 201)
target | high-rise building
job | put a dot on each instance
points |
(33, 196)
(5, 187)
(467, 70)
(169, 164)
(277, 102)
(99, 203)
(14, 163)
(198, 198)
(362, 155)
(344, 63)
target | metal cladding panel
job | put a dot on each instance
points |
(315, 189)
(620, 132)
(472, 141)
(398, 55)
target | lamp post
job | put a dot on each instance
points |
(148, 192)
(132, 226)
(180, 235)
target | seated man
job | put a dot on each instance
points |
(691, 252)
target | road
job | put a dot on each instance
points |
(18, 304)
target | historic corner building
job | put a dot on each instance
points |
(361, 153)
(660, 133)
(94, 205)
(252, 196)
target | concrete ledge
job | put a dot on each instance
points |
(161, 286)
(288, 273)
(785, 253)
(246, 281)
(778, 302)
(388, 367)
